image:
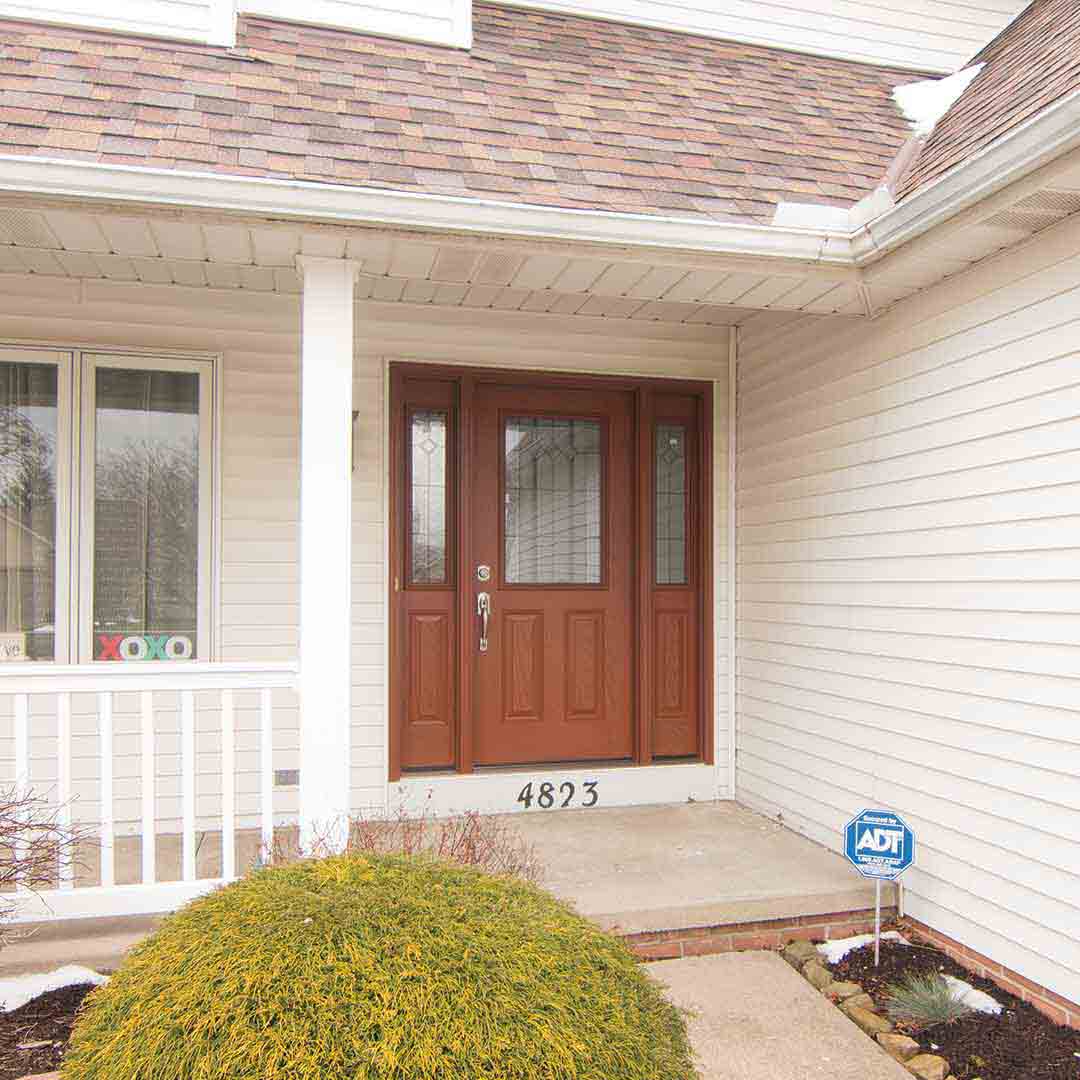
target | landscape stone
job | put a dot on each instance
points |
(817, 975)
(798, 952)
(862, 1001)
(841, 991)
(928, 1067)
(872, 1024)
(900, 1047)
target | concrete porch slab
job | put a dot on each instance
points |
(752, 1016)
(651, 868)
(633, 870)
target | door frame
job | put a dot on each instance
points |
(700, 530)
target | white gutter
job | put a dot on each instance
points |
(1047, 135)
(304, 201)
(1051, 133)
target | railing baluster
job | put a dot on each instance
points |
(187, 772)
(22, 765)
(228, 786)
(63, 781)
(108, 824)
(266, 748)
(149, 790)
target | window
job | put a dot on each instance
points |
(553, 500)
(107, 457)
(669, 469)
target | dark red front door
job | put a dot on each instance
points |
(552, 526)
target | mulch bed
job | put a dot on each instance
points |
(1020, 1044)
(47, 1019)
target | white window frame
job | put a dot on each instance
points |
(76, 414)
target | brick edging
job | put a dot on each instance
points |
(764, 934)
(1054, 1006)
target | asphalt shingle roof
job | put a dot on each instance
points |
(546, 109)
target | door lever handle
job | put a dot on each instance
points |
(483, 609)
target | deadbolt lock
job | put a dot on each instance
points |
(483, 573)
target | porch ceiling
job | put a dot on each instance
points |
(418, 268)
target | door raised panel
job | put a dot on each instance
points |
(584, 665)
(522, 642)
(671, 649)
(429, 708)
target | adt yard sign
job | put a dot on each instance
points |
(879, 845)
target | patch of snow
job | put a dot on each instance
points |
(835, 951)
(16, 992)
(967, 995)
(925, 103)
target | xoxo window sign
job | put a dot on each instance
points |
(144, 647)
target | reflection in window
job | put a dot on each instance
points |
(670, 504)
(427, 441)
(146, 514)
(28, 427)
(553, 500)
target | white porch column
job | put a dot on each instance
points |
(326, 366)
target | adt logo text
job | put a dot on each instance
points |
(879, 844)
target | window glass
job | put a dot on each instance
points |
(553, 500)
(670, 471)
(28, 432)
(146, 514)
(427, 443)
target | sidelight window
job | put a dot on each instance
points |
(671, 503)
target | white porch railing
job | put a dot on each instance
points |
(137, 713)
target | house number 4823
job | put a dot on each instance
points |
(547, 795)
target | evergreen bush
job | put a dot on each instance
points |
(383, 966)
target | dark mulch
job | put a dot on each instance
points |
(1020, 1044)
(47, 1019)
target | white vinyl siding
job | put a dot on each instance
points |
(210, 21)
(441, 22)
(919, 34)
(257, 613)
(909, 592)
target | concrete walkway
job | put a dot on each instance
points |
(753, 1017)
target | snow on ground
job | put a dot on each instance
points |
(835, 951)
(16, 992)
(925, 103)
(972, 998)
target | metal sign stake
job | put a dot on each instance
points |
(877, 922)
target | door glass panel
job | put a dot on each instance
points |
(146, 515)
(427, 552)
(28, 430)
(670, 466)
(553, 500)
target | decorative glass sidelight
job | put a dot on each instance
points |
(671, 504)
(428, 499)
(553, 477)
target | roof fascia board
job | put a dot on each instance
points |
(1046, 136)
(304, 201)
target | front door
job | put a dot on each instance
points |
(553, 541)
(550, 546)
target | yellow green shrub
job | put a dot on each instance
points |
(383, 966)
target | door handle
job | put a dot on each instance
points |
(483, 609)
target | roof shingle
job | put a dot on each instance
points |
(546, 109)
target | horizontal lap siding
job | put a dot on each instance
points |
(909, 592)
(925, 34)
(260, 474)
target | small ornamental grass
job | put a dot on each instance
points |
(381, 966)
(923, 999)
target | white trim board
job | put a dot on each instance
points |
(497, 791)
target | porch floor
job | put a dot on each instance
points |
(633, 870)
(651, 868)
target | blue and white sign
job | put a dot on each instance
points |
(879, 845)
